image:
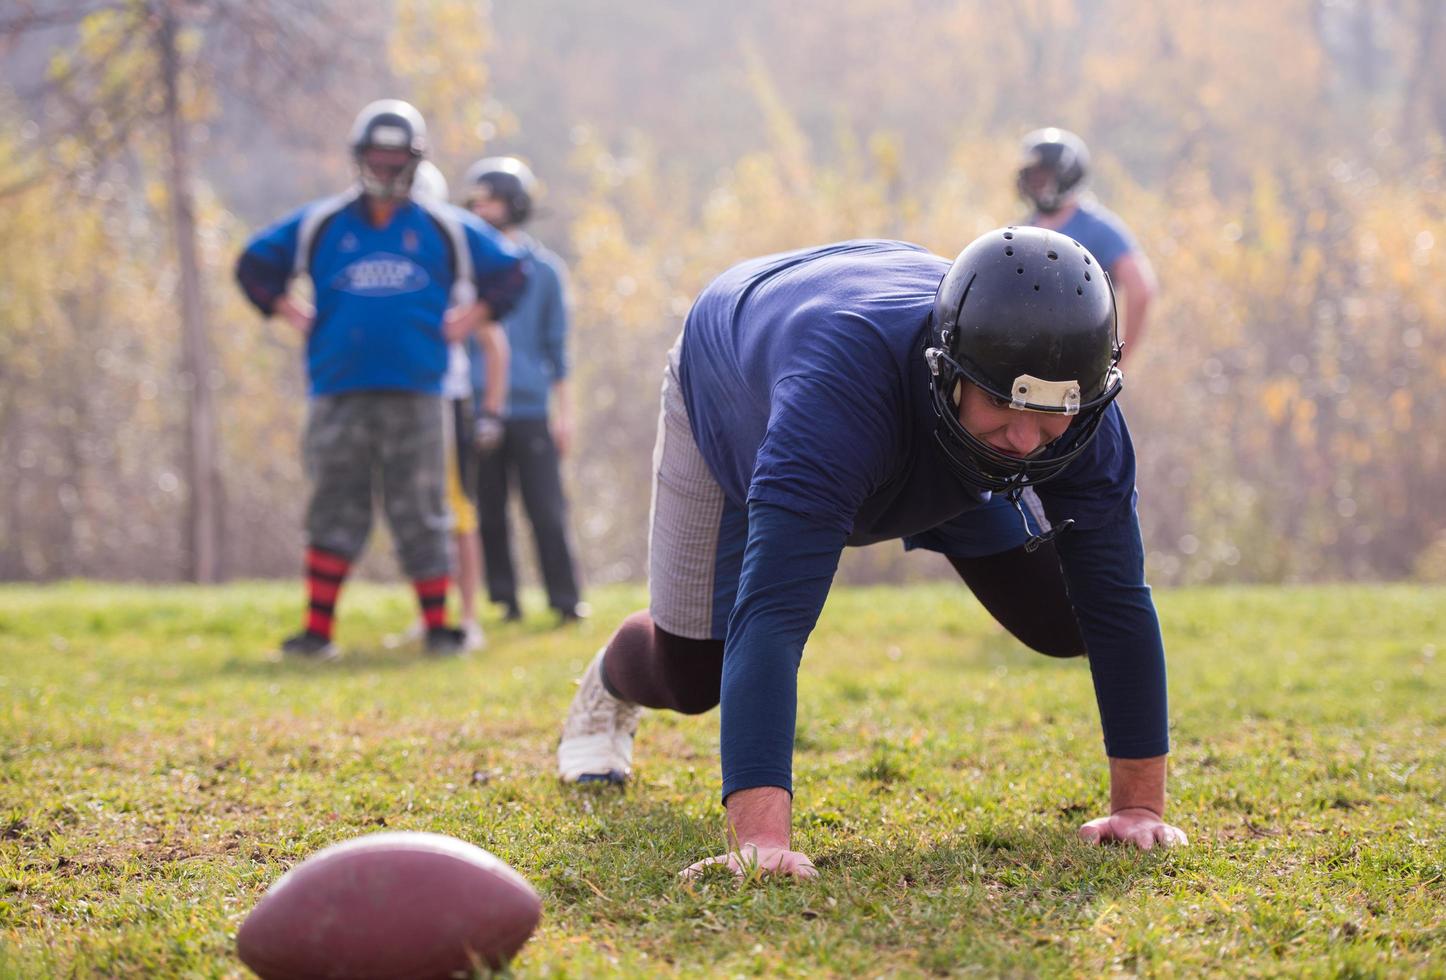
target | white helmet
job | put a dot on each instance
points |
(428, 184)
(388, 124)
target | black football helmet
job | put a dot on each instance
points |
(388, 124)
(1029, 316)
(1053, 163)
(509, 180)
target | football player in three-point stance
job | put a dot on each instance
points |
(871, 390)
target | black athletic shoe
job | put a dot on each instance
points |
(512, 613)
(446, 641)
(307, 645)
(577, 613)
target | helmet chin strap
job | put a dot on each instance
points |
(1035, 540)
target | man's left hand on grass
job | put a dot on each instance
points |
(1134, 825)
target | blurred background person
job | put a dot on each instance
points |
(537, 425)
(382, 266)
(1053, 173)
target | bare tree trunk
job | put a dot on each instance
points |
(202, 511)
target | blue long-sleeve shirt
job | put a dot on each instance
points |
(381, 293)
(537, 329)
(807, 393)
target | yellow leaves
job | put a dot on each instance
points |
(439, 50)
(789, 145)
(1302, 424)
(1276, 398)
(1273, 222)
(1400, 405)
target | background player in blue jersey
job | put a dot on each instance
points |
(1052, 175)
(864, 391)
(383, 268)
(537, 424)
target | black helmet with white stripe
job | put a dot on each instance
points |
(1027, 315)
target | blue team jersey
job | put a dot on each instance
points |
(381, 293)
(1101, 231)
(806, 386)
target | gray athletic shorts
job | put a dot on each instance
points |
(691, 579)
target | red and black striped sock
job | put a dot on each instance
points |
(432, 593)
(324, 574)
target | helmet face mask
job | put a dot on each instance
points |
(986, 468)
(388, 141)
(1027, 316)
(386, 174)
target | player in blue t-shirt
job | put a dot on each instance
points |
(383, 268)
(1052, 175)
(538, 424)
(871, 390)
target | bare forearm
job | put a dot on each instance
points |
(762, 816)
(562, 401)
(1135, 278)
(494, 345)
(1137, 305)
(1138, 784)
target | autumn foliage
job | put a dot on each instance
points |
(1282, 165)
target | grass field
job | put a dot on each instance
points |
(157, 771)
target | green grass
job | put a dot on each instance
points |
(157, 772)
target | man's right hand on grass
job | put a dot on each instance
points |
(750, 859)
(758, 831)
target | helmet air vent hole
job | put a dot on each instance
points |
(1020, 270)
(1079, 290)
(1087, 258)
(1009, 250)
(1052, 255)
(1036, 287)
(1087, 277)
(1009, 234)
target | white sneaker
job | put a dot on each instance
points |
(597, 738)
(472, 637)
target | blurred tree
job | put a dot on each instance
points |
(136, 69)
(438, 51)
(1282, 163)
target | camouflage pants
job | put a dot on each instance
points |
(364, 444)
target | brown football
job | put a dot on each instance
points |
(401, 904)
